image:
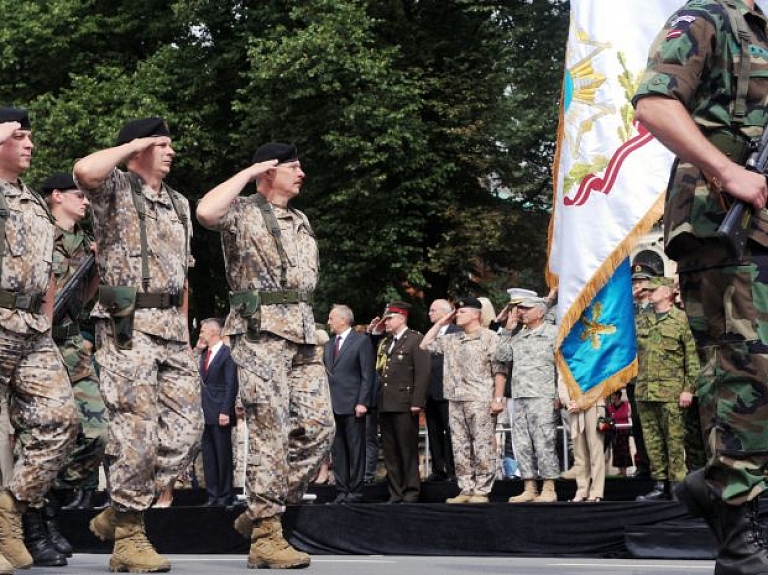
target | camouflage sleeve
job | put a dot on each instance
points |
(680, 55)
(690, 382)
(505, 348)
(228, 223)
(188, 217)
(436, 345)
(104, 197)
(497, 365)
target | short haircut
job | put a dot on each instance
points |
(345, 312)
(212, 321)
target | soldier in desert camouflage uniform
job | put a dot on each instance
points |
(149, 379)
(704, 96)
(473, 379)
(667, 370)
(532, 351)
(271, 262)
(31, 369)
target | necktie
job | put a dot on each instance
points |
(337, 347)
(207, 360)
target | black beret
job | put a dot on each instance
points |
(58, 181)
(142, 128)
(16, 115)
(276, 151)
(469, 301)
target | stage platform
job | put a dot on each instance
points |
(615, 527)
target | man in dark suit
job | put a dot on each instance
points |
(436, 411)
(219, 375)
(404, 381)
(349, 362)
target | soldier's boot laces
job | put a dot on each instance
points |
(11, 534)
(528, 494)
(270, 550)
(38, 541)
(103, 525)
(743, 549)
(133, 553)
(548, 493)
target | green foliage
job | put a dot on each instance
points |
(426, 127)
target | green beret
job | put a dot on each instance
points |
(142, 128)
(15, 115)
(276, 151)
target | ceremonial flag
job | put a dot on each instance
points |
(610, 177)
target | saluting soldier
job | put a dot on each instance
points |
(404, 379)
(667, 370)
(149, 378)
(31, 369)
(271, 260)
(474, 385)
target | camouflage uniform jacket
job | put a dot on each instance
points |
(532, 353)
(69, 251)
(668, 364)
(116, 227)
(470, 364)
(28, 252)
(252, 262)
(694, 60)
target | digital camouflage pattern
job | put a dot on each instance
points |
(469, 364)
(532, 352)
(287, 401)
(152, 390)
(534, 430)
(70, 250)
(694, 59)
(31, 368)
(252, 262)
(116, 228)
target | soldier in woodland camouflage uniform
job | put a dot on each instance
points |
(704, 96)
(472, 377)
(532, 351)
(271, 262)
(667, 372)
(31, 368)
(149, 379)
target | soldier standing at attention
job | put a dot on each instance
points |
(667, 370)
(31, 370)
(474, 385)
(704, 97)
(271, 260)
(149, 378)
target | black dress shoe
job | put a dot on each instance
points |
(437, 477)
(394, 501)
(341, 498)
(658, 493)
(354, 498)
(210, 503)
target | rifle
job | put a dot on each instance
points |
(64, 297)
(737, 222)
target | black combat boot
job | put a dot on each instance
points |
(37, 542)
(50, 516)
(743, 549)
(74, 503)
(698, 498)
(87, 500)
(658, 493)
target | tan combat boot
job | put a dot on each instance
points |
(528, 494)
(244, 525)
(133, 552)
(460, 498)
(11, 533)
(478, 499)
(5, 566)
(548, 493)
(103, 525)
(270, 550)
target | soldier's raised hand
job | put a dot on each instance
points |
(7, 129)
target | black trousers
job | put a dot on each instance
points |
(439, 433)
(348, 453)
(217, 463)
(400, 446)
(371, 443)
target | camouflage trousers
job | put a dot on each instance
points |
(33, 374)
(473, 440)
(727, 309)
(533, 433)
(91, 442)
(284, 390)
(152, 394)
(664, 434)
(695, 457)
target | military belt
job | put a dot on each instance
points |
(735, 146)
(277, 297)
(158, 300)
(21, 301)
(64, 332)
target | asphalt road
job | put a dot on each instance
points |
(82, 564)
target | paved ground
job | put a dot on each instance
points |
(386, 565)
